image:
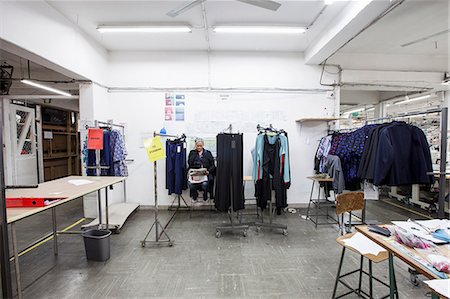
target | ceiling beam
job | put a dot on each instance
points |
(355, 18)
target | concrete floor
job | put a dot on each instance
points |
(261, 265)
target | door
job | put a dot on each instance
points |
(23, 145)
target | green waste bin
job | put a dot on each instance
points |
(96, 243)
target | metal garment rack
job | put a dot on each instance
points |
(98, 169)
(232, 226)
(178, 197)
(443, 149)
(156, 223)
(270, 224)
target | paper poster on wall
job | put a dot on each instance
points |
(168, 115)
(174, 106)
(210, 144)
(169, 99)
(179, 114)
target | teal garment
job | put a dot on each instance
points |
(258, 154)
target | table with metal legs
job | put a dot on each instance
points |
(46, 190)
(320, 203)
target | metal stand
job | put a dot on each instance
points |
(231, 226)
(178, 206)
(319, 205)
(270, 224)
(156, 223)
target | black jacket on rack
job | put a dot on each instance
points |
(403, 156)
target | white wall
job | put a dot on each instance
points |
(186, 70)
(134, 99)
(359, 96)
(36, 31)
(206, 115)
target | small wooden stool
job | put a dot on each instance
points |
(382, 256)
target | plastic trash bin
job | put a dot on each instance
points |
(96, 243)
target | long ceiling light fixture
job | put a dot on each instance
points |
(144, 29)
(259, 29)
(409, 100)
(354, 110)
(57, 91)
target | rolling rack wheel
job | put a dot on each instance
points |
(170, 244)
(285, 232)
(258, 229)
(413, 277)
(218, 234)
(244, 233)
(143, 244)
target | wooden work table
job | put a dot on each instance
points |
(60, 188)
(406, 254)
(57, 189)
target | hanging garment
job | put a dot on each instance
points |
(106, 159)
(367, 164)
(229, 183)
(403, 156)
(322, 153)
(258, 155)
(333, 167)
(273, 175)
(119, 154)
(176, 171)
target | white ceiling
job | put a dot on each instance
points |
(412, 21)
(36, 72)
(89, 14)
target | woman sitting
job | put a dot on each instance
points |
(202, 160)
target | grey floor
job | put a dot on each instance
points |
(261, 265)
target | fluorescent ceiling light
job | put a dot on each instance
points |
(328, 2)
(354, 110)
(260, 29)
(409, 100)
(46, 87)
(370, 109)
(143, 29)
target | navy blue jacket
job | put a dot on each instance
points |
(402, 157)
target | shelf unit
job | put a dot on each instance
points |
(317, 119)
(61, 152)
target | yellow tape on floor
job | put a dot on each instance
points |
(51, 237)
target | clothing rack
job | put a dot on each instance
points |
(122, 211)
(270, 224)
(179, 197)
(442, 150)
(98, 169)
(232, 226)
(156, 223)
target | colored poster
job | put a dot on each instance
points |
(168, 116)
(154, 149)
(179, 114)
(95, 139)
(174, 107)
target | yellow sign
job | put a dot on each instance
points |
(154, 149)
